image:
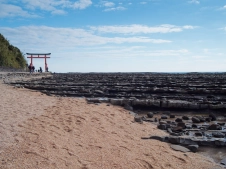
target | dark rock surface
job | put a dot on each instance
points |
(190, 91)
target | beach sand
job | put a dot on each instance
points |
(47, 132)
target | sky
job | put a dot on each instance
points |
(119, 35)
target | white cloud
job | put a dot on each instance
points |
(119, 8)
(8, 10)
(43, 37)
(222, 8)
(56, 7)
(143, 3)
(58, 12)
(135, 29)
(108, 4)
(51, 5)
(194, 1)
(82, 4)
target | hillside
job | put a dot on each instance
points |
(10, 56)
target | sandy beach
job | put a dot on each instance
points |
(46, 132)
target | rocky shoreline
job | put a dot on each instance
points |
(160, 93)
(194, 91)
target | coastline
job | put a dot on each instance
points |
(40, 131)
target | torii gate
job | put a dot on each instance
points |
(37, 55)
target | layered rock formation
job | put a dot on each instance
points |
(195, 91)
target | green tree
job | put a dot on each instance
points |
(10, 56)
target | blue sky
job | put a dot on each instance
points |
(119, 35)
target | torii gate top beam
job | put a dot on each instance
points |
(38, 53)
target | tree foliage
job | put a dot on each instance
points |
(10, 56)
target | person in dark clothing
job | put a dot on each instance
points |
(40, 69)
(29, 67)
(33, 68)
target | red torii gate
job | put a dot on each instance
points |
(39, 55)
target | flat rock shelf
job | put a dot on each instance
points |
(196, 91)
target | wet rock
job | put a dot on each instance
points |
(138, 119)
(169, 130)
(160, 138)
(194, 126)
(180, 148)
(202, 119)
(164, 117)
(150, 114)
(195, 120)
(218, 134)
(185, 117)
(178, 120)
(188, 126)
(214, 127)
(208, 119)
(198, 134)
(214, 118)
(223, 161)
(175, 134)
(162, 126)
(206, 142)
(220, 143)
(221, 124)
(181, 124)
(193, 148)
(172, 116)
(128, 107)
(177, 129)
(133, 114)
(162, 122)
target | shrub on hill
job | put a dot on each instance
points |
(10, 56)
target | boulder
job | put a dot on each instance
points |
(178, 120)
(162, 126)
(172, 116)
(128, 107)
(162, 122)
(138, 119)
(194, 126)
(185, 117)
(193, 148)
(132, 113)
(208, 119)
(181, 124)
(214, 118)
(150, 114)
(218, 135)
(177, 129)
(223, 161)
(180, 148)
(221, 124)
(214, 127)
(164, 117)
(195, 120)
(198, 134)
